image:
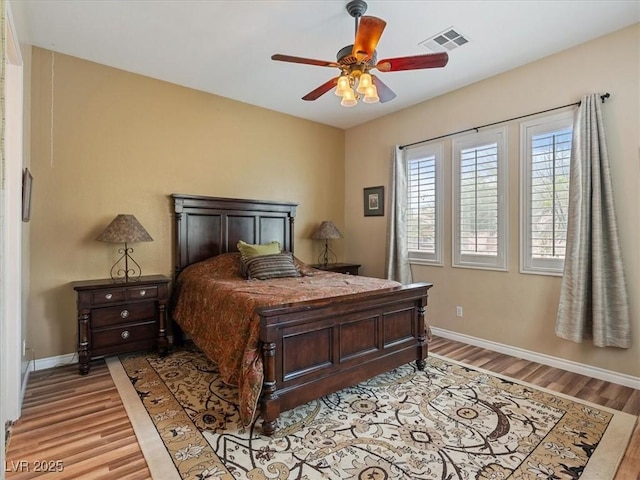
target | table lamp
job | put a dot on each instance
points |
(125, 228)
(326, 231)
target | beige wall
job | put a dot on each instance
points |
(122, 143)
(512, 308)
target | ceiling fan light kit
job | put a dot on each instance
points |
(357, 60)
(351, 87)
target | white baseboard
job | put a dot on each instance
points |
(561, 363)
(50, 362)
(25, 381)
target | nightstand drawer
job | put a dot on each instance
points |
(107, 296)
(349, 270)
(138, 293)
(130, 313)
(123, 335)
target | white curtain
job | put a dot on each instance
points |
(593, 297)
(397, 265)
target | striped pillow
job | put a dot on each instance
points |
(264, 267)
(249, 250)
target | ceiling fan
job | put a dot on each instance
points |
(357, 60)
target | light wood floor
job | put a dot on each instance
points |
(80, 421)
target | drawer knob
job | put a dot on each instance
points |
(124, 313)
(143, 293)
(125, 334)
(108, 296)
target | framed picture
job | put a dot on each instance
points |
(374, 201)
(27, 180)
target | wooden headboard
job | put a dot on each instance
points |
(209, 226)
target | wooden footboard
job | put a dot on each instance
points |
(311, 349)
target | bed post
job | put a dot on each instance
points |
(270, 405)
(422, 348)
(177, 209)
(177, 335)
(292, 220)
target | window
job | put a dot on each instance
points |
(479, 199)
(545, 158)
(424, 204)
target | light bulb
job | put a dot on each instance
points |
(349, 99)
(371, 95)
(364, 83)
(343, 85)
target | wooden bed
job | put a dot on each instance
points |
(310, 348)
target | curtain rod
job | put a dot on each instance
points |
(602, 97)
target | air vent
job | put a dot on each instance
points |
(445, 41)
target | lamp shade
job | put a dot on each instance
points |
(364, 82)
(371, 95)
(125, 228)
(343, 85)
(326, 230)
(349, 99)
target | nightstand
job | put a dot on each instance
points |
(117, 317)
(348, 268)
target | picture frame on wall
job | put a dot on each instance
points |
(27, 181)
(374, 201)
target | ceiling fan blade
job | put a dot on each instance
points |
(385, 94)
(369, 32)
(430, 60)
(305, 61)
(321, 90)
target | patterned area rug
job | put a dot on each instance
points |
(449, 422)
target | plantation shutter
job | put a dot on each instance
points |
(424, 204)
(545, 167)
(479, 200)
(550, 157)
(421, 214)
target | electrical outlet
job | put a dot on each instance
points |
(458, 311)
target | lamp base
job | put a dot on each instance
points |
(327, 256)
(128, 273)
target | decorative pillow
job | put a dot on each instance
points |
(264, 267)
(250, 250)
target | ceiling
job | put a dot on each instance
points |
(225, 47)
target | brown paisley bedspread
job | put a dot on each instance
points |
(216, 308)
